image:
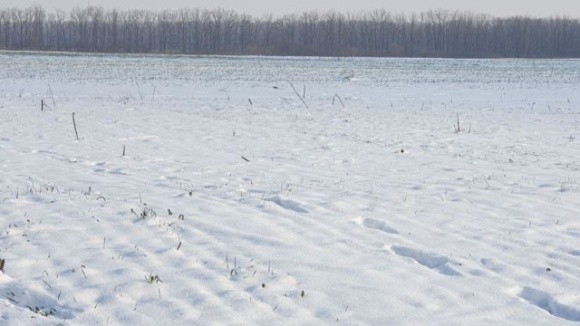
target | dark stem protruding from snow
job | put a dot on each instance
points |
(75, 125)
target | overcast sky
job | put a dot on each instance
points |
(539, 8)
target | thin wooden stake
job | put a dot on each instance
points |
(123, 150)
(75, 125)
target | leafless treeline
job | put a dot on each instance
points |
(375, 33)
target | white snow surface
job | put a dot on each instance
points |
(236, 204)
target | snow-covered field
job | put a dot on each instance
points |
(237, 204)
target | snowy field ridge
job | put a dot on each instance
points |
(203, 191)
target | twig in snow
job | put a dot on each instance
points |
(45, 282)
(340, 99)
(139, 90)
(298, 94)
(51, 96)
(458, 126)
(75, 125)
(9, 298)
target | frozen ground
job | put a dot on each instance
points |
(236, 204)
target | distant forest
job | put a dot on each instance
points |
(375, 33)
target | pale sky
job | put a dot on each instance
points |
(537, 8)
